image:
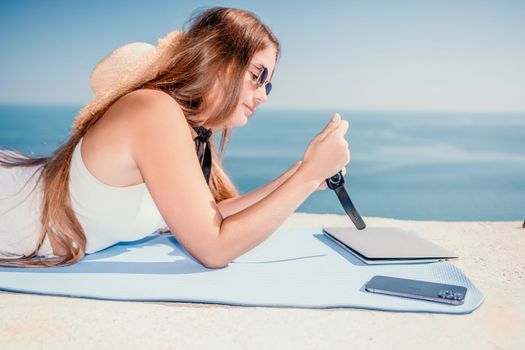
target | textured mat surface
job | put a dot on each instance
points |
(292, 268)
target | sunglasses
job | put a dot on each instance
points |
(261, 80)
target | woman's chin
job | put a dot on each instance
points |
(239, 122)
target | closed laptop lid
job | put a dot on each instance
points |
(388, 243)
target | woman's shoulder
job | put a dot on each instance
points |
(108, 147)
(148, 98)
(147, 105)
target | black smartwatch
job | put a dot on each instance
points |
(336, 183)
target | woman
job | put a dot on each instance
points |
(135, 164)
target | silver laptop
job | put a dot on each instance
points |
(381, 245)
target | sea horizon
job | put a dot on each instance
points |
(418, 165)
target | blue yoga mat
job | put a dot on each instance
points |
(291, 268)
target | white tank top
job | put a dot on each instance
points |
(110, 214)
(107, 214)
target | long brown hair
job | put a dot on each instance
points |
(218, 46)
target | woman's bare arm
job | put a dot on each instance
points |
(246, 229)
(164, 152)
(233, 205)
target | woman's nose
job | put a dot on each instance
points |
(260, 94)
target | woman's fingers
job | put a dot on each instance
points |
(332, 125)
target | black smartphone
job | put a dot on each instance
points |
(437, 292)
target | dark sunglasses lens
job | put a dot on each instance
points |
(268, 88)
(262, 76)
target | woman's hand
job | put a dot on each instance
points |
(328, 152)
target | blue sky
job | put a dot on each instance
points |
(376, 55)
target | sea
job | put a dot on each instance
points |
(448, 166)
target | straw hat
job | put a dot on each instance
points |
(125, 69)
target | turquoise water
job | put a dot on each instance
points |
(406, 165)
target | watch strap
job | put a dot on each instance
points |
(349, 207)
